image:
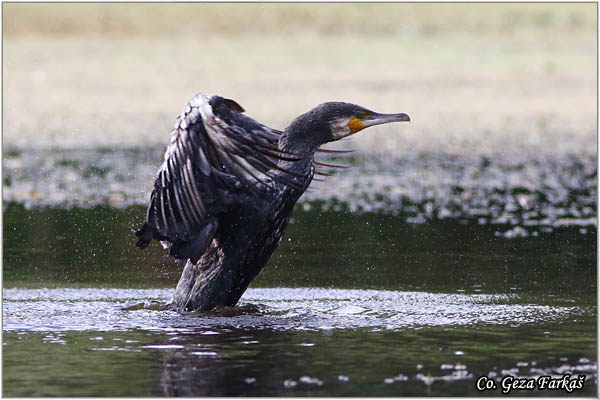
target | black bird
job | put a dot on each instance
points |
(224, 194)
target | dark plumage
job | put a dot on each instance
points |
(225, 191)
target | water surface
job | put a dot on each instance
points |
(304, 341)
(350, 305)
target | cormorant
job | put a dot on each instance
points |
(224, 193)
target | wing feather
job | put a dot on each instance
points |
(214, 153)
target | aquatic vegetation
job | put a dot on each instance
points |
(528, 194)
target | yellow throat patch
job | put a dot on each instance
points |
(355, 125)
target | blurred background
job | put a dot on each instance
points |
(472, 76)
(492, 84)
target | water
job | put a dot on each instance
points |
(277, 308)
(303, 341)
(350, 305)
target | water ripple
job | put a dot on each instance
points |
(276, 308)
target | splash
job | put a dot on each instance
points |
(299, 309)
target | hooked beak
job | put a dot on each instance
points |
(371, 119)
(377, 119)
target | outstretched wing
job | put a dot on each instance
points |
(215, 152)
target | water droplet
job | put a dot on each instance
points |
(289, 383)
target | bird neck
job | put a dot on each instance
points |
(305, 134)
(294, 141)
(300, 171)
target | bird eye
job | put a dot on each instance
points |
(359, 114)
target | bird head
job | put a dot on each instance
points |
(332, 121)
(346, 119)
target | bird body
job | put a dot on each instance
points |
(227, 186)
(240, 248)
